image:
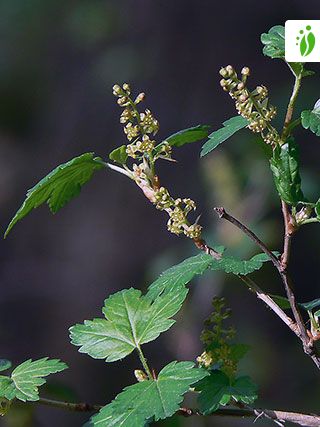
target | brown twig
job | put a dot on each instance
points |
(224, 215)
(289, 229)
(73, 407)
(301, 330)
(297, 418)
(270, 303)
(280, 416)
(290, 108)
(254, 288)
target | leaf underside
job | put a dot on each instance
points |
(311, 120)
(130, 320)
(59, 186)
(274, 42)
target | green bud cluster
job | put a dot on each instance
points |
(136, 124)
(253, 105)
(216, 338)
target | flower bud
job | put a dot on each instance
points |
(245, 71)
(140, 375)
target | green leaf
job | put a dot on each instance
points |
(230, 127)
(311, 119)
(5, 364)
(27, 377)
(237, 266)
(130, 320)
(284, 303)
(307, 73)
(281, 301)
(60, 186)
(317, 209)
(217, 389)
(152, 399)
(274, 42)
(310, 305)
(186, 136)
(7, 388)
(119, 155)
(179, 275)
(285, 168)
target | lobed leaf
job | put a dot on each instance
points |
(130, 320)
(285, 165)
(27, 377)
(218, 389)
(230, 127)
(310, 119)
(274, 42)
(179, 275)
(237, 266)
(60, 186)
(150, 400)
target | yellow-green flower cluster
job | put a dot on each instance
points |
(253, 105)
(139, 129)
(138, 148)
(216, 338)
(177, 210)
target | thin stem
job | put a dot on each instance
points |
(290, 108)
(223, 214)
(310, 221)
(73, 407)
(301, 331)
(308, 343)
(282, 416)
(278, 416)
(144, 363)
(253, 287)
(293, 125)
(289, 230)
(287, 126)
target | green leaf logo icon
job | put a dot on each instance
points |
(306, 41)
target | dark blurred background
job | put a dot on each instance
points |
(58, 62)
